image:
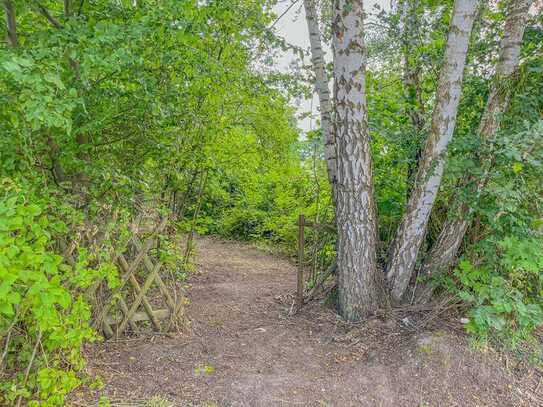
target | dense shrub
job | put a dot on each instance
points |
(505, 289)
(44, 315)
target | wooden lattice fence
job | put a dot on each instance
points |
(130, 307)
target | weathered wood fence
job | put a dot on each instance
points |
(301, 281)
(132, 305)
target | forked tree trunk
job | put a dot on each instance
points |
(410, 235)
(321, 86)
(358, 276)
(445, 250)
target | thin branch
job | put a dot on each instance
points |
(45, 12)
(8, 337)
(283, 14)
(109, 142)
(30, 363)
(80, 10)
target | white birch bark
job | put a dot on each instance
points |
(412, 229)
(356, 215)
(323, 92)
(445, 250)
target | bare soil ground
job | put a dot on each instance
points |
(244, 348)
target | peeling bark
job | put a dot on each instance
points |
(410, 235)
(359, 280)
(445, 250)
(321, 87)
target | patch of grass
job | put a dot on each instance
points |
(216, 322)
(159, 401)
(426, 349)
(155, 401)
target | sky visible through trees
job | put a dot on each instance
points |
(292, 27)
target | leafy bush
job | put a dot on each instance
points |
(506, 290)
(243, 223)
(44, 317)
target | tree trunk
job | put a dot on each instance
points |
(57, 171)
(358, 276)
(67, 9)
(444, 251)
(11, 23)
(80, 181)
(410, 235)
(321, 86)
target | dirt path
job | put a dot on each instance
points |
(245, 350)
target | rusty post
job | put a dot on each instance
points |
(301, 243)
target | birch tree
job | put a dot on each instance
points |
(411, 232)
(322, 89)
(445, 250)
(356, 215)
